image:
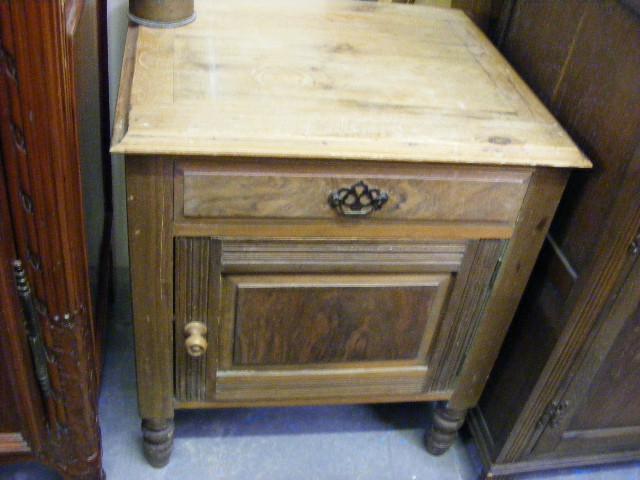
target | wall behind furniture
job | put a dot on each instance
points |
(87, 77)
(117, 25)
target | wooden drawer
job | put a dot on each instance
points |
(302, 190)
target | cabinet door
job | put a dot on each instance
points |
(599, 412)
(317, 320)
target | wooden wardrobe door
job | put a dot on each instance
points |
(21, 410)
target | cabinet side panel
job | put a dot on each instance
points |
(149, 208)
(540, 203)
(537, 47)
(538, 322)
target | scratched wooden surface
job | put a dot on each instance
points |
(324, 78)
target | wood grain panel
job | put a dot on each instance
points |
(39, 115)
(538, 48)
(588, 64)
(510, 280)
(287, 320)
(353, 398)
(613, 395)
(321, 385)
(197, 295)
(597, 100)
(149, 193)
(256, 256)
(431, 194)
(585, 64)
(223, 85)
(468, 300)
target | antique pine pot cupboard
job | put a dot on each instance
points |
(328, 201)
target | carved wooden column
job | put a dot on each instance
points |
(38, 133)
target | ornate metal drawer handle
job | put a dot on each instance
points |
(358, 199)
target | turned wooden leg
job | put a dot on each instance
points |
(444, 429)
(157, 441)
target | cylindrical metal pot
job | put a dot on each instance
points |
(162, 13)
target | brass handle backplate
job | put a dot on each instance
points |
(358, 199)
(195, 343)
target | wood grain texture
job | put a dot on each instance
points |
(586, 312)
(238, 190)
(309, 320)
(149, 209)
(409, 303)
(197, 296)
(186, 86)
(464, 312)
(41, 161)
(587, 70)
(444, 429)
(586, 67)
(256, 256)
(328, 385)
(544, 194)
(319, 399)
(606, 125)
(546, 63)
(618, 372)
(350, 229)
(121, 120)
(324, 371)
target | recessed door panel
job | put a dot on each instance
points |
(299, 320)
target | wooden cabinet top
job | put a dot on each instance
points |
(331, 79)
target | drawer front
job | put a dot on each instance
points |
(216, 190)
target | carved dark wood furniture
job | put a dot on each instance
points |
(328, 202)
(566, 388)
(49, 345)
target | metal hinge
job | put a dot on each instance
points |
(552, 414)
(33, 327)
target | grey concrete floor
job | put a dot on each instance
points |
(346, 442)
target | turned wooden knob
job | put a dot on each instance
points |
(195, 343)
